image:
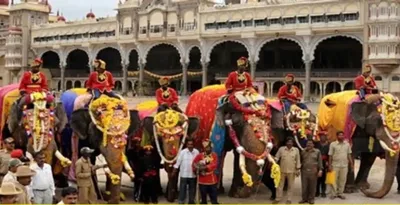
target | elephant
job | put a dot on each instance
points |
(372, 127)
(105, 126)
(169, 139)
(300, 124)
(239, 122)
(21, 125)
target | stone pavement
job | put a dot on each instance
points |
(375, 179)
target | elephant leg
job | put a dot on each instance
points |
(172, 187)
(113, 157)
(269, 183)
(238, 188)
(221, 189)
(350, 185)
(398, 176)
(367, 160)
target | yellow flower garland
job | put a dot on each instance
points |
(247, 179)
(167, 119)
(276, 174)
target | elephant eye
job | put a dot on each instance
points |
(247, 104)
(260, 102)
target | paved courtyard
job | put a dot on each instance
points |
(375, 179)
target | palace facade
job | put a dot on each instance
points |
(323, 42)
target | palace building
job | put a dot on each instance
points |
(324, 43)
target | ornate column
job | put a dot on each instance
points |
(205, 72)
(124, 78)
(141, 64)
(307, 85)
(62, 68)
(253, 66)
(184, 78)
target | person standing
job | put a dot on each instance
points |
(311, 169)
(84, 171)
(205, 165)
(43, 186)
(289, 161)
(149, 176)
(69, 196)
(5, 156)
(339, 160)
(12, 169)
(24, 178)
(187, 176)
(324, 149)
(9, 193)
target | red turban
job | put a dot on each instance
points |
(17, 153)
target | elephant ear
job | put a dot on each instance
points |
(13, 117)
(148, 125)
(61, 117)
(80, 121)
(366, 116)
(135, 122)
(276, 119)
(193, 123)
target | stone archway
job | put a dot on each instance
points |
(77, 64)
(280, 56)
(77, 84)
(349, 86)
(163, 59)
(69, 85)
(276, 86)
(118, 85)
(112, 58)
(51, 60)
(338, 54)
(194, 82)
(133, 60)
(224, 56)
(299, 85)
(315, 89)
(332, 87)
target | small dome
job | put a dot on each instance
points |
(4, 2)
(61, 18)
(90, 15)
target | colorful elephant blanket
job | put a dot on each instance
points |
(8, 95)
(338, 116)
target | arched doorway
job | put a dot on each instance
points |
(69, 85)
(164, 60)
(338, 54)
(276, 86)
(51, 60)
(315, 89)
(59, 86)
(133, 61)
(279, 57)
(194, 82)
(112, 58)
(77, 84)
(118, 85)
(332, 87)
(349, 86)
(299, 85)
(224, 56)
(77, 64)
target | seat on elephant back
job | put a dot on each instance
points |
(8, 95)
(247, 102)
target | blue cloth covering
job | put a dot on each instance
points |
(217, 137)
(68, 99)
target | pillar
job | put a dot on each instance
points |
(62, 87)
(308, 80)
(321, 90)
(124, 79)
(184, 79)
(253, 66)
(205, 71)
(141, 79)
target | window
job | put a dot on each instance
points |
(351, 16)
(275, 21)
(248, 23)
(303, 19)
(188, 26)
(378, 78)
(318, 19)
(155, 29)
(222, 25)
(236, 24)
(395, 78)
(289, 20)
(143, 30)
(171, 28)
(210, 26)
(260, 22)
(334, 18)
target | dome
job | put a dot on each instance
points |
(90, 15)
(46, 2)
(61, 18)
(4, 2)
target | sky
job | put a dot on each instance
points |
(77, 9)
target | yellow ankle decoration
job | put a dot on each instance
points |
(247, 180)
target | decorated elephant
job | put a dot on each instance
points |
(103, 124)
(239, 122)
(298, 123)
(36, 127)
(372, 127)
(168, 130)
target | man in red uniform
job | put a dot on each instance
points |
(205, 164)
(365, 83)
(33, 81)
(239, 80)
(166, 96)
(100, 81)
(290, 94)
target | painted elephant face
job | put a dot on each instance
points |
(170, 128)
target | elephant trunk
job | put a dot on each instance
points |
(390, 171)
(113, 157)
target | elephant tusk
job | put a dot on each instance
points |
(386, 147)
(245, 175)
(298, 143)
(64, 161)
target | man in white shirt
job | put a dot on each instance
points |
(12, 168)
(187, 177)
(42, 183)
(69, 196)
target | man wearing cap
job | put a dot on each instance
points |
(239, 80)
(9, 193)
(24, 178)
(5, 156)
(100, 81)
(34, 81)
(365, 83)
(84, 170)
(290, 94)
(167, 97)
(12, 169)
(205, 164)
